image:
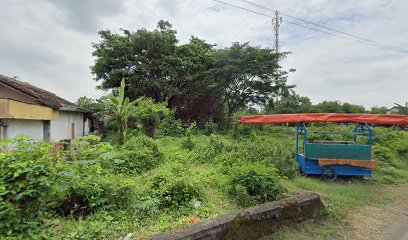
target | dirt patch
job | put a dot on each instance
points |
(379, 221)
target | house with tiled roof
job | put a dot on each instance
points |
(40, 114)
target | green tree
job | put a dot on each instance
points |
(400, 109)
(292, 103)
(329, 107)
(248, 75)
(98, 107)
(194, 87)
(156, 67)
(353, 108)
(146, 59)
(121, 111)
(378, 110)
(149, 113)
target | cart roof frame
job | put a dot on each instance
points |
(380, 119)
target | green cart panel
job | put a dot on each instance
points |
(337, 151)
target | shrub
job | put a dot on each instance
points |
(170, 127)
(137, 155)
(208, 151)
(276, 152)
(241, 130)
(89, 148)
(25, 181)
(149, 113)
(174, 186)
(187, 142)
(382, 153)
(210, 127)
(386, 137)
(254, 183)
(401, 147)
(147, 206)
(85, 187)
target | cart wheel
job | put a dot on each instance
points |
(329, 175)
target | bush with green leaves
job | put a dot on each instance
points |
(149, 113)
(383, 153)
(270, 151)
(169, 126)
(89, 148)
(386, 137)
(210, 127)
(175, 186)
(401, 147)
(254, 183)
(26, 171)
(85, 187)
(136, 155)
(187, 142)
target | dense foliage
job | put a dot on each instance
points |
(26, 179)
(167, 156)
(99, 190)
(156, 66)
(138, 154)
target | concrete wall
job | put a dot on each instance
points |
(252, 223)
(20, 110)
(15, 127)
(61, 128)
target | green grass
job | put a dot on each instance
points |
(207, 164)
(341, 199)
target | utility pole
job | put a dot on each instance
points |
(276, 22)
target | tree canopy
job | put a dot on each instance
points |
(248, 75)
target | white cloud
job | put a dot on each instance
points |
(48, 43)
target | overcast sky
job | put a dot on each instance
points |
(49, 43)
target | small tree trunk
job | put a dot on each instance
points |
(230, 114)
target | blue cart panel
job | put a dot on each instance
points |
(312, 151)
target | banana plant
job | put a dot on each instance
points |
(121, 110)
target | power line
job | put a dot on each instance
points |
(322, 26)
(328, 33)
(355, 39)
(246, 9)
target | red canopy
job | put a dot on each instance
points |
(382, 119)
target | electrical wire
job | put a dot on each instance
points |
(351, 37)
(319, 25)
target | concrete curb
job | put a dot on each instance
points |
(251, 223)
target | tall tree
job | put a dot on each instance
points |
(146, 59)
(198, 98)
(248, 75)
(156, 67)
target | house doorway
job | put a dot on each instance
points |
(46, 130)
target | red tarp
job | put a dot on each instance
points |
(382, 119)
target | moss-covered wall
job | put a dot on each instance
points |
(252, 223)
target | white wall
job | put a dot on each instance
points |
(61, 129)
(33, 128)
